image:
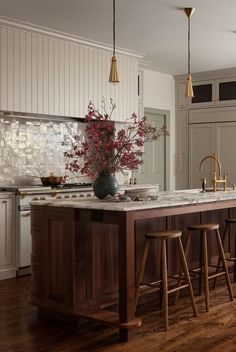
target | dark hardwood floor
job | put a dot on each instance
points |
(21, 331)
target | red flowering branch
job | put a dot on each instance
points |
(108, 151)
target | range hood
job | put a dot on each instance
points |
(26, 115)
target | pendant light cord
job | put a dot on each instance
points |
(189, 45)
(114, 26)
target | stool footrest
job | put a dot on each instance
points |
(175, 289)
(216, 275)
(230, 259)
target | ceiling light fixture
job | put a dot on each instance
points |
(114, 77)
(189, 86)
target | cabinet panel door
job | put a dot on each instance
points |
(7, 238)
(225, 140)
(181, 156)
(201, 143)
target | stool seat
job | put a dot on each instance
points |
(230, 220)
(163, 234)
(163, 284)
(204, 261)
(203, 227)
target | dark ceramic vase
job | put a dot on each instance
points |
(105, 184)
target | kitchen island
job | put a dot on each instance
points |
(86, 253)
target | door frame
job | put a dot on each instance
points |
(166, 114)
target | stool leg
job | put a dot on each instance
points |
(222, 255)
(235, 259)
(201, 265)
(206, 274)
(187, 276)
(219, 258)
(164, 282)
(141, 272)
(186, 250)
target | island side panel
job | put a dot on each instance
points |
(56, 258)
(36, 292)
(96, 255)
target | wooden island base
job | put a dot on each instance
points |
(85, 261)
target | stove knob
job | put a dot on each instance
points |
(82, 195)
(74, 196)
(58, 197)
(36, 198)
(88, 195)
(42, 198)
(67, 196)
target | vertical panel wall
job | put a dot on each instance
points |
(50, 75)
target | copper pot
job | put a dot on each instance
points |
(52, 180)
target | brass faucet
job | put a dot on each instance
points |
(215, 180)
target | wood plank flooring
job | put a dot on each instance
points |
(21, 331)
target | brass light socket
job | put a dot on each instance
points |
(114, 76)
(189, 11)
(189, 87)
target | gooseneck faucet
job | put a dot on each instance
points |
(215, 180)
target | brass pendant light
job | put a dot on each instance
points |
(114, 76)
(189, 86)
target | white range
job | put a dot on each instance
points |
(24, 196)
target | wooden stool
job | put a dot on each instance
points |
(228, 222)
(163, 236)
(204, 229)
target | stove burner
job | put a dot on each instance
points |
(74, 185)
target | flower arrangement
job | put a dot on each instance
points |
(105, 150)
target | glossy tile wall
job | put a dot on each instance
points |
(33, 148)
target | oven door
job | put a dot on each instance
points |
(24, 236)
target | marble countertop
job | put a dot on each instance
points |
(165, 199)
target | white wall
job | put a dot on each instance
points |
(159, 93)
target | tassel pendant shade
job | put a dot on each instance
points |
(114, 76)
(189, 86)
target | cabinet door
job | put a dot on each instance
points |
(24, 240)
(181, 156)
(225, 140)
(7, 238)
(202, 142)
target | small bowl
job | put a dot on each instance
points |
(52, 180)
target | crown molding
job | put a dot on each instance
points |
(49, 32)
(206, 75)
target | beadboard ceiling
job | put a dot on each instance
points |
(157, 28)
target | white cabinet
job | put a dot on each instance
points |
(181, 101)
(181, 148)
(225, 148)
(47, 73)
(7, 236)
(207, 93)
(211, 138)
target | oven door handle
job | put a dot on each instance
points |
(23, 208)
(26, 214)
